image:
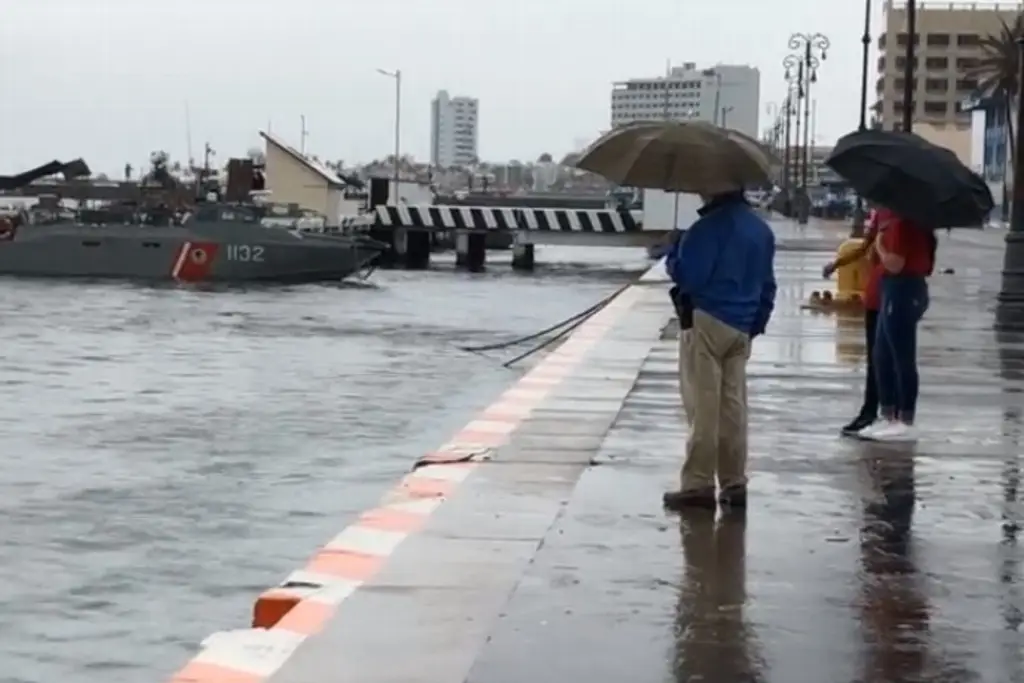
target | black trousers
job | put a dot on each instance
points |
(870, 407)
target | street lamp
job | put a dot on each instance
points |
(725, 113)
(1010, 312)
(397, 75)
(865, 39)
(814, 47)
(794, 76)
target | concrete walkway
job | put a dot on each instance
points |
(552, 559)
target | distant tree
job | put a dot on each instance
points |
(102, 177)
(544, 158)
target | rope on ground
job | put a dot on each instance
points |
(573, 321)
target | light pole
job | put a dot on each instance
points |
(1010, 312)
(725, 113)
(814, 47)
(909, 68)
(397, 75)
(794, 76)
(865, 40)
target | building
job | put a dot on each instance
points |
(948, 47)
(293, 178)
(723, 94)
(990, 155)
(454, 130)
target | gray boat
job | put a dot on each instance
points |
(211, 243)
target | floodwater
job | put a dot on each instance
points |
(168, 454)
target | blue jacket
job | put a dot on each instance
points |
(726, 263)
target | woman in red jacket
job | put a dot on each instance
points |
(906, 252)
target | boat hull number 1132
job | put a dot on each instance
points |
(247, 253)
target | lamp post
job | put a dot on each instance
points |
(1010, 312)
(910, 67)
(725, 113)
(794, 76)
(865, 40)
(397, 75)
(814, 47)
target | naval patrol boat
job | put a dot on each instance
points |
(209, 241)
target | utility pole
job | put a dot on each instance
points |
(303, 134)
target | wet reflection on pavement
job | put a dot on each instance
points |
(715, 640)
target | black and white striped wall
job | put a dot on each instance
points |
(497, 218)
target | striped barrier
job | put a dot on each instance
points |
(286, 615)
(498, 218)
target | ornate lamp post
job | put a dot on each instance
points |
(1010, 312)
(812, 48)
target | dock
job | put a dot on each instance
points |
(533, 545)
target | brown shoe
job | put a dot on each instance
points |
(696, 498)
(734, 496)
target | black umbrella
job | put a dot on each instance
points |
(904, 172)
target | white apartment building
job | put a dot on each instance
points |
(723, 94)
(454, 130)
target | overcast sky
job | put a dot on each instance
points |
(109, 80)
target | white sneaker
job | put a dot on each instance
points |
(897, 432)
(874, 428)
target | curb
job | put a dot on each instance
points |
(300, 606)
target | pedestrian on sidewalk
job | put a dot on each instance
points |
(724, 293)
(906, 251)
(868, 413)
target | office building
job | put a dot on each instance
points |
(454, 130)
(948, 48)
(723, 94)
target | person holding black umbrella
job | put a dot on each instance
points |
(922, 187)
(906, 253)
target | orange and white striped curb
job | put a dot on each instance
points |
(284, 616)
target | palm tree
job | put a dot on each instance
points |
(998, 71)
(998, 75)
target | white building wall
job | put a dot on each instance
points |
(688, 93)
(454, 130)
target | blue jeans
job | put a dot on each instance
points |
(904, 302)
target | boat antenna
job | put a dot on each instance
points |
(188, 135)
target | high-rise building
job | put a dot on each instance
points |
(947, 49)
(454, 130)
(723, 94)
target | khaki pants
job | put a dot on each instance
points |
(713, 383)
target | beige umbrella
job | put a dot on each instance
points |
(689, 156)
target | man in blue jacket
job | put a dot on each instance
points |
(724, 276)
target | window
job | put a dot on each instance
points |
(900, 83)
(901, 62)
(935, 107)
(881, 63)
(936, 63)
(966, 63)
(901, 39)
(936, 85)
(968, 40)
(881, 42)
(969, 84)
(937, 40)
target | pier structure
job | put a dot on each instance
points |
(533, 546)
(475, 227)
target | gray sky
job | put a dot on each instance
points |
(108, 80)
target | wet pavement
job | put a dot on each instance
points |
(167, 454)
(855, 562)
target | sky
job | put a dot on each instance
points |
(113, 80)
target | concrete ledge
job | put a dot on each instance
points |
(441, 553)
